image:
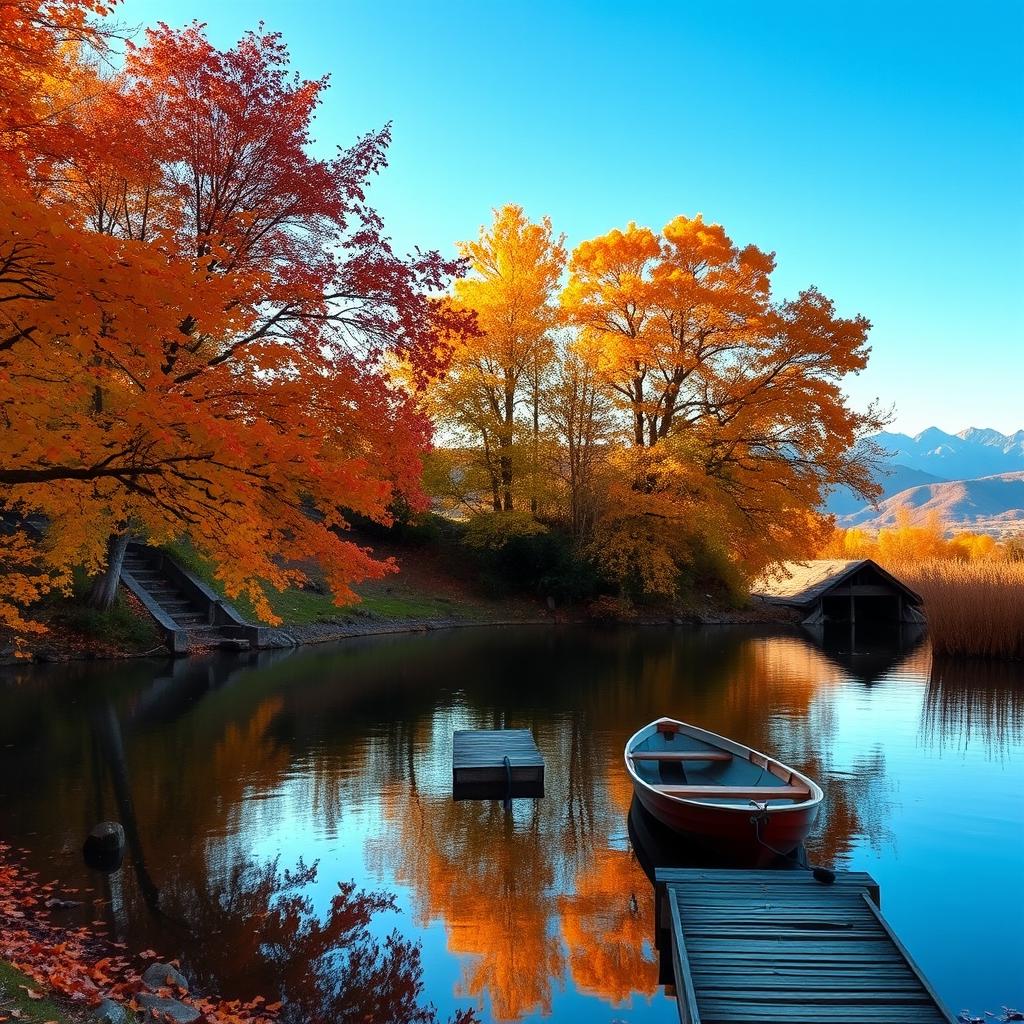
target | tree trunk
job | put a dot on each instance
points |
(104, 589)
(638, 412)
(536, 438)
(507, 440)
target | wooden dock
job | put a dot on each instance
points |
(496, 763)
(778, 947)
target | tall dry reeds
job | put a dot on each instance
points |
(973, 608)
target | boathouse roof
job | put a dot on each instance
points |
(801, 584)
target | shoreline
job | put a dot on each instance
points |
(313, 634)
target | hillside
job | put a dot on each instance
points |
(993, 504)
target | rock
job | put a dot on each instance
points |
(55, 904)
(109, 1012)
(167, 1009)
(157, 976)
(104, 846)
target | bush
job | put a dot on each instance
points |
(516, 553)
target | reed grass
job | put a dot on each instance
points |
(974, 609)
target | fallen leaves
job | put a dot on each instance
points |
(81, 965)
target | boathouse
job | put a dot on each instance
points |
(839, 590)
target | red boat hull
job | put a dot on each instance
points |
(730, 830)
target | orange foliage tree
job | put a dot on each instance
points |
(732, 412)
(197, 315)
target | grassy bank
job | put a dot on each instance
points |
(16, 1002)
(75, 630)
(432, 584)
(974, 609)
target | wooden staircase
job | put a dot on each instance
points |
(191, 615)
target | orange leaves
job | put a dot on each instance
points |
(740, 393)
(210, 362)
(912, 539)
(76, 963)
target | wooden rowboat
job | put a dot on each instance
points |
(722, 793)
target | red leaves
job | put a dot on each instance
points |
(77, 963)
(222, 363)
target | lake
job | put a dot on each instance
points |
(292, 830)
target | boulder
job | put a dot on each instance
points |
(109, 1012)
(157, 976)
(167, 1009)
(104, 846)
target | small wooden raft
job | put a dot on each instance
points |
(496, 763)
(767, 947)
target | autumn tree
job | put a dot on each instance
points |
(491, 396)
(730, 397)
(580, 418)
(212, 360)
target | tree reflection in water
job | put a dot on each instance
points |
(211, 763)
(259, 926)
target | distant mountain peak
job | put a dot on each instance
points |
(933, 435)
(935, 456)
(987, 435)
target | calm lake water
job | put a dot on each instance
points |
(292, 831)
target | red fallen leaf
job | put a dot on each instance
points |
(148, 954)
(273, 1007)
(32, 993)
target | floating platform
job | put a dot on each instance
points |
(496, 764)
(767, 947)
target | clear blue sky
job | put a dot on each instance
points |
(877, 148)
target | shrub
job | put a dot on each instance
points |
(516, 553)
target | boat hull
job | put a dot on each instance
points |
(730, 832)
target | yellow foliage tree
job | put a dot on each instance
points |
(497, 375)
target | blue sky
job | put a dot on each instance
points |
(877, 148)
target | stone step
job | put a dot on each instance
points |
(191, 618)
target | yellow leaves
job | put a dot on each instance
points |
(912, 540)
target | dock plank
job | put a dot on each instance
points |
(777, 946)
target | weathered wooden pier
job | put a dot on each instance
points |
(496, 763)
(778, 947)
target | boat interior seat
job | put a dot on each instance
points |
(684, 755)
(759, 793)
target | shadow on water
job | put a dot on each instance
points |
(292, 830)
(868, 652)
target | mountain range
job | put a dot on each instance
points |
(974, 479)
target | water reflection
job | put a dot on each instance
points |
(227, 771)
(969, 700)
